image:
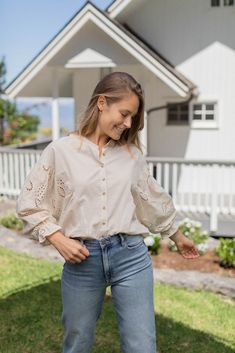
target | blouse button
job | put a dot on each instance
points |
(104, 207)
(103, 223)
(103, 179)
(144, 196)
(104, 193)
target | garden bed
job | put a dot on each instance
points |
(209, 262)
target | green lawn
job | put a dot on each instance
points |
(30, 308)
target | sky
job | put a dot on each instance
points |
(26, 26)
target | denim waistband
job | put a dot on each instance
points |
(109, 239)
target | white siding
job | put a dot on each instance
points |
(200, 42)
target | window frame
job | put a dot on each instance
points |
(218, 4)
(177, 122)
(227, 5)
(204, 123)
(222, 3)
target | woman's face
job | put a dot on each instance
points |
(117, 117)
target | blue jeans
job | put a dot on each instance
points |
(122, 262)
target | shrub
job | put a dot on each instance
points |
(192, 230)
(153, 243)
(226, 252)
(11, 221)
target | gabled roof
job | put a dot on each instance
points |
(117, 6)
(89, 57)
(127, 40)
(159, 58)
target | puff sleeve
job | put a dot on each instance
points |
(154, 206)
(34, 206)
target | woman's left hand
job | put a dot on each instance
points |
(185, 246)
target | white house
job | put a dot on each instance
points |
(181, 51)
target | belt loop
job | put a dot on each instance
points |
(122, 238)
(81, 241)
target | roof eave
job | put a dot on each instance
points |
(116, 31)
(116, 7)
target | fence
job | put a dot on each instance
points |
(14, 167)
(195, 185)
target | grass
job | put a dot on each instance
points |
(196, 321)
(19, 272)
(30, 309)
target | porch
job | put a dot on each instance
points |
(202, 190)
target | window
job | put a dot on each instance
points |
(204, 114)
(177, 113)
(203, 111)
(215, 2)
(228, 2)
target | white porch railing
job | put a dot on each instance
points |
(195, 185)
(14, 167)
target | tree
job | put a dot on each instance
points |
(2, 74)
(15, 126)
(2, 103)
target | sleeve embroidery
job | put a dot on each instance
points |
(38, 230)
(61, 187)
(30, 186)
(37, 205)
(154, 206)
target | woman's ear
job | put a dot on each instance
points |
(101, 102)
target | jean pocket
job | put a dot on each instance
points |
(134, 241)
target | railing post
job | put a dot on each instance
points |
(214, 200)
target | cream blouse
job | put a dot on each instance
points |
(90, 193)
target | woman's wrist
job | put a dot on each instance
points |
(54, 237)
(177, 236)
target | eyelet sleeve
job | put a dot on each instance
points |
(34, 204)
(154, 206)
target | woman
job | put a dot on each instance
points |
(92, 197)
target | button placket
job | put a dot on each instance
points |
(103, 195)
(101, 153)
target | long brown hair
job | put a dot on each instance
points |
(114, 87)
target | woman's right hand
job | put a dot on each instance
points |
(72, 250)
